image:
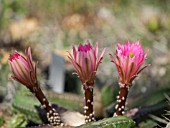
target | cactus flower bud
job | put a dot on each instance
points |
(86, 61)
(23, 69)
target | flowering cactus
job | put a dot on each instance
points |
(24, 71)
(85, 62)
(129, 59)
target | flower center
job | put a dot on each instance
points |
(131, 54)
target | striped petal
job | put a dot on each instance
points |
(129, 58)
(85, 60)
(23, 69)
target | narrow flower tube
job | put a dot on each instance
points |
(24, 72)
(128, 61)
(85, 60)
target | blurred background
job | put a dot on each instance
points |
(51, 27)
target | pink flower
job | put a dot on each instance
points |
(85, 61)
(23, 69)
(128, 61)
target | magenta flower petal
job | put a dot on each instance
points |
(100, 57)
(129, 59)
(85, 61)
(96, 49)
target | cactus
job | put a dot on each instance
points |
(26, 107)
(152, 97)
(108, 91)
(17, 122)
(114, 122)
(143, 112)
(69, 101)
(65, 100)
(30, 108)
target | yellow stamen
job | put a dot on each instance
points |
(131, 54)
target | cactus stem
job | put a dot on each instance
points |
(88, 108)
(52, 116)
(88, 101)
(121, 99)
